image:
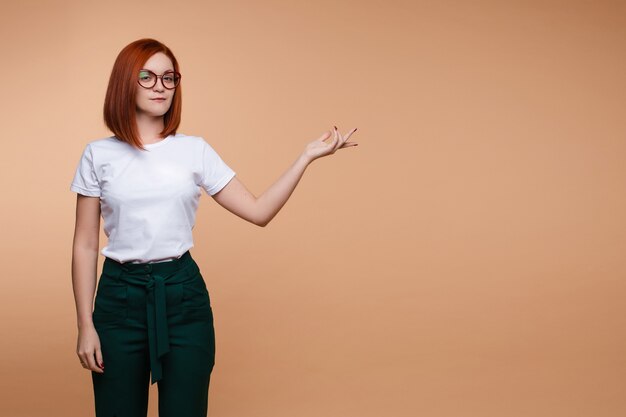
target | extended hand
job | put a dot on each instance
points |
(319, 148)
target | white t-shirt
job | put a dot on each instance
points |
(148, 199)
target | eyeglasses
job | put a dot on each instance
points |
(148, 79)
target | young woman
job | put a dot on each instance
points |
(152, 314)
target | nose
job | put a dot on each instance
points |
(156, 85)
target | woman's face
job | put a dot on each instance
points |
(146, 102)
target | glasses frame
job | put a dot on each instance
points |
(156, 78)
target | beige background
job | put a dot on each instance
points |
(466, 259)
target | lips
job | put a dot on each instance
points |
(158, 99)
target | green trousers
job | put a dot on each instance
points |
(153, 319)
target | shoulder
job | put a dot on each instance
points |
(108, 143)
(187, 139)
(103, 150)
(193, 142)
(190, 139)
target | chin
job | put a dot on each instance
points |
(151, 113)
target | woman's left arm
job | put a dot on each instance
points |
(236, 198)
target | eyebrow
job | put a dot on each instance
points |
(146, 69)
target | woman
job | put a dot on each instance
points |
(152, 313)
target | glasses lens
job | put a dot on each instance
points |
(146, 78)
(170, 79)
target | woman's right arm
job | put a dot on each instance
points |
(84, 275)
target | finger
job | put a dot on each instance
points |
(83, 359)
(332, 143)
(92, 363)
(348, 145)
(337, 141)
(339, 134)
(324, 136)
(340, 140)
(350, 134)
(99, 360)
(84, 362)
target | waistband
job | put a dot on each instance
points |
(155, 277)
(114, 267)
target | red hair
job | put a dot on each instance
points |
(119, 104)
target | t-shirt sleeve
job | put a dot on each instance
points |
(215, 173)
(85, 181)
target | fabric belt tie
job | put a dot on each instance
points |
(158, 336)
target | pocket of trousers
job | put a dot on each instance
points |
(196, 301)
(111, 304)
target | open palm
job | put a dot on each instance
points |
(319, 147)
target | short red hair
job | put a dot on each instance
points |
(119, 104)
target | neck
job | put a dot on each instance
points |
(149, 128)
